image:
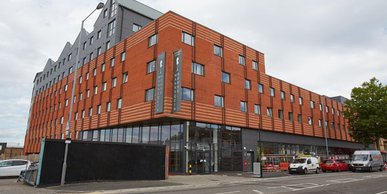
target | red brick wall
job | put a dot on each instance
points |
(134, 108)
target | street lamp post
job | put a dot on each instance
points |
(68, 124)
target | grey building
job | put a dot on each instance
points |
(117, 20)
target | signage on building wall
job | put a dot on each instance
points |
(160, 69)
(177, 63)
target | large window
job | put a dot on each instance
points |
(257, 109)
(150, 67)
(247, 84)
(149, 94)
(269, 112)
(119, 103)
(242, 60)
(272, 91)
(197, 69)
(187, 38)
(152, 40)
(111, 28)
(218, 51)
(188, 94)
(136, 27)
(226, 77)
(260, 88)
(218, 101)
(254, 65)
(243, 105)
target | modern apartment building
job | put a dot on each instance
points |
(152, 78)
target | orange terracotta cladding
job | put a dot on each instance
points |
(49, 107)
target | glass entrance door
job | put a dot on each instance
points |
(203, 162)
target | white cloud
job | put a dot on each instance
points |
(328, 47)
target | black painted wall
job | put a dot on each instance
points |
(102, 161)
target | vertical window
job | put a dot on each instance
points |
(149, 94)
(124, 77)
(269, 112)
(95, 90)
(272, 91)
(188, 94)
(80, 79)
(84, 60)
(150, 67)
(114, 82)
(260, 88)
(300, 100)
(310, 120)
(319, 123)
(112, 62)
(187, 38)
(91, 56)
(107, 45)
(218, 51)
(291, 98)
(226, 77)
(152, 40)
(321, 107)
(70, 70)
(197, 69)
(311, 104)
(327, 109)
(119, 103)
(108, 106)
(299, 118)
(218, 101)
(257, 109)
(123, 56)
(61, 120)
(241, 60)
(84, 45)
(111, 28)
(105, 12)
(66, 102)
(91, 40)
(243, 105)
(76, 116)
(90, 112)
(80, 96)
(333, 110)
(99, 51)
(113, 9)
(280, 114)
(87, 93)
(83, 114)
(99, 109)
(68, 58)
(94, 71)
(98, 34)
(290, 116)
(65, 87)
(104, 86)
(254, 65)
(136, 27)
(103, 67)
(247, 84)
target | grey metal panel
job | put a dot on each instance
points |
(140, 8)
(177, 73)
(160, 69)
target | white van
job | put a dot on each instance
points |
(367, 160)
(304, 165)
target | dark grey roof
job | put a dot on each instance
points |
(140, 8)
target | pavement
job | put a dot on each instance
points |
(173, 183)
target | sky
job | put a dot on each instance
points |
(328, 47)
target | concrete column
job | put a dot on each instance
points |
(215, 149)
(186, 146)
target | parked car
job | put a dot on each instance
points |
(334, 165)
(367, 160)
(304, 165)
(13, 167)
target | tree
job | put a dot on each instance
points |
(366, 112)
